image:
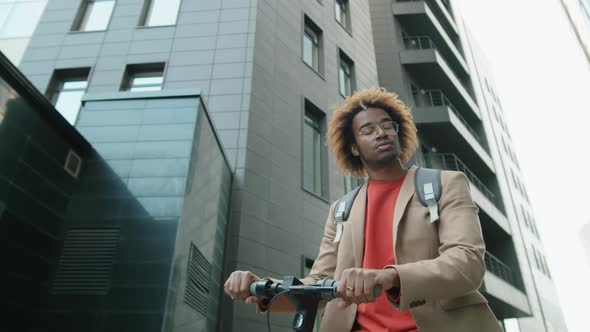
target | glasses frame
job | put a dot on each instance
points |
(380, 126)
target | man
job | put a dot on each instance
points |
(430, 270)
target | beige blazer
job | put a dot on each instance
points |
(441, 265)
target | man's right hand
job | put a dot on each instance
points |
(237, 286)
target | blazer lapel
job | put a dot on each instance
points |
(357, 225)
(405, 194)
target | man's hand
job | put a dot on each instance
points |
(237, 286)
(356, 285)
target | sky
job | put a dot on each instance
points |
(543, 81)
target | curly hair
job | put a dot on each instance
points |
(340, 136)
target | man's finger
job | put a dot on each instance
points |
(252, 300)
(245, 287)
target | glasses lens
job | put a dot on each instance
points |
(387, 125)
(368, 130)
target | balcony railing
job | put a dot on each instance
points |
(418, 43)
(497, 267)
(445, 3)
(449, 161)
(438, 98)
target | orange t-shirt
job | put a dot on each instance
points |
(381, 315)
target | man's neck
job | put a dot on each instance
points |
(386, 172)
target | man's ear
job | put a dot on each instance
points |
(354, 150)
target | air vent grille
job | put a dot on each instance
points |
(198, 281)
(86, 261)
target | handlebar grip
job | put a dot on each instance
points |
(376, 289)
(260, 288)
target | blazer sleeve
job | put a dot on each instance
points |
(325, 264)
(460, 267)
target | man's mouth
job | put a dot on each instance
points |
(384, 145)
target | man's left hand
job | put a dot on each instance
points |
(356, 285)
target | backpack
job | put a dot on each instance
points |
(428, 187)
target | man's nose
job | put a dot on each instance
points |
(380, 131)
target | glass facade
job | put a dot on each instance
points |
(148, 157)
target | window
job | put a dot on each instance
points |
(345, 74)
(143, 77)
(547, 273)
(342, 13)
(537, 260)
(312, 45)
(314, 152)
(65, 91)
(94, 15)
(159, 12)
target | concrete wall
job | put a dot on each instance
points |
(274, 220)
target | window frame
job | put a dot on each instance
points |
(81, 16)
(344, 58)
(59, 79)
(346, 25)
(141, 70)
(311, 111)
(309, 26)
(145, 14)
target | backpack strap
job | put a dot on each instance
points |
(342, 211)
(428, 188)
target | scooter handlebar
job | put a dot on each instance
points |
(325, 289)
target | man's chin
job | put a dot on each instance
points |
(386, 158)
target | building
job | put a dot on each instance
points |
(18, 20)
(105, 240)
(425, 53)
(546, 314)
(578, 15)
(268, 73)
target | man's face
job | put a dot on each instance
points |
(380, 147)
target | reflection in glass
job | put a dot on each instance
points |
(162, 12)
(97, 15)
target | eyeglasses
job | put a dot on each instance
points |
(388, 127)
